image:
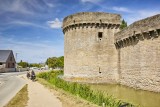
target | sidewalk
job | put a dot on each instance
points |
(39, 96)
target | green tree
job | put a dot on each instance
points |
(51, 62)
(60, 62)
(55, 62)
(35, 65)
(23, 64)
(123, 25)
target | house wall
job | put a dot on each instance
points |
(10, 63)
(2, 66)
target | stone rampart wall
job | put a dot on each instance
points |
(139, 54)
(139, 27)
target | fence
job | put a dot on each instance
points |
(13, 69)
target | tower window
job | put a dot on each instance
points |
(100, 70)
(100, 34)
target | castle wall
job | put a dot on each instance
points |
(130, 57)
(139, 55)
(86, 54)
(140, 65)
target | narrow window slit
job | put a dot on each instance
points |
(100, 35)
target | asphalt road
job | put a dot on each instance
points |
(10, 84)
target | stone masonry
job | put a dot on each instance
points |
(138, 49)
(97, 51)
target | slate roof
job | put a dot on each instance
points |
(4, 54)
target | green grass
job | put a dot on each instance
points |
(82, 90)
(20, 100)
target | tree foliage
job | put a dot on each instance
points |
(26, 64)
(55, 62)
(35, 65)
(123, 25)
(23, 64)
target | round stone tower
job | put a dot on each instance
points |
(89, 50)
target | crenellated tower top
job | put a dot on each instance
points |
(91, 19)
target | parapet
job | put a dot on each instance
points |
(143, 29)
(91, 19)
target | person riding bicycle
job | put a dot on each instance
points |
(33, 76)
(28, 75)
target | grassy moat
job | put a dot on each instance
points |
(82, 90)
(111, 95)
(138, 97)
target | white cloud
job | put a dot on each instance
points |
(50, 5)
(25, 23)
(91, 1)
(121, 9)
(33, 52)
(55, 23)
(17, 6)
(140, 14)
(25, 7)
(147, 13)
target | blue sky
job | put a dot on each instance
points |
(32, 28)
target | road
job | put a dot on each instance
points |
(10, 84)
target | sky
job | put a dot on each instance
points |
(32, 28)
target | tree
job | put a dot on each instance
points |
(35, 65)
(51, 62)
(23, 64)
(60, 62)
(123, 25)
(55, 62)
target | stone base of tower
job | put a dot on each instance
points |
(89, 79)
(104, 80)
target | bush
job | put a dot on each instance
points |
(81, 90)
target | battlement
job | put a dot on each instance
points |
(147, 28)
(91, 19)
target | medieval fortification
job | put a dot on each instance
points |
(97, 51)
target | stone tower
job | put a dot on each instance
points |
(89, 50)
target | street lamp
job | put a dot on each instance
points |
(16, 61)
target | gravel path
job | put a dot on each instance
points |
(39, 96)
(1, 83)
